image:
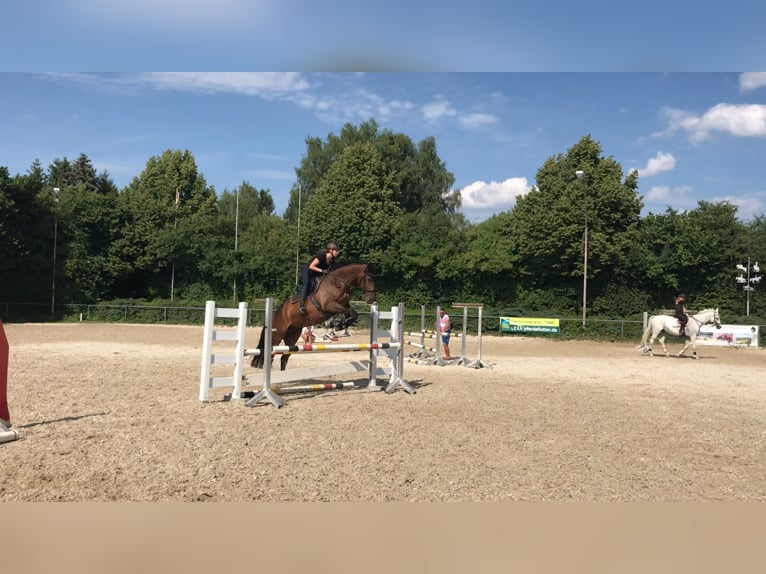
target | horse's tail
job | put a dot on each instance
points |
(257, 360)
(645, 336)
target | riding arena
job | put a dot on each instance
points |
(112, 412)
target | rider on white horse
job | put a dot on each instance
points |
(681, 313)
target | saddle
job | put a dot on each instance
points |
(296, 294)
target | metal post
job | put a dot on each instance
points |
(56, 192)
(747, 288)
(236, 238)
(580, 175)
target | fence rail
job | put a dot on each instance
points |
(629, 329)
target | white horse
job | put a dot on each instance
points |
(661, 325)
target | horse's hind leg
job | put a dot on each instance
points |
(664, 348)
(648, 347)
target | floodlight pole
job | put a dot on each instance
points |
(56, 192)
(580, 175)
(749, 281)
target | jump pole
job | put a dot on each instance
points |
(7, 434)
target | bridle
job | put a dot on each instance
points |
(716, 320)
(363, 282)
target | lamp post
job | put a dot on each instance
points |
(236, 238)
(580, 175)
(173, 260)
(56, 192)
(749, 281)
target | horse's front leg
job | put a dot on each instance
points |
(694, 349)
(686, 346)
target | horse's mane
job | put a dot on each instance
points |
(368, 268)
(346, 264)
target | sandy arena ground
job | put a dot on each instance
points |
(110, 412)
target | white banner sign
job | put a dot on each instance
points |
(729, 335)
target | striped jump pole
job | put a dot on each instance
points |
(419, 346)
(428, 334)
(324, 348)
(312, 388)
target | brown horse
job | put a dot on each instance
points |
(332, 296)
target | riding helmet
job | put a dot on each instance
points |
(331, 245)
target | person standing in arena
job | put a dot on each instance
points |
(445, 329)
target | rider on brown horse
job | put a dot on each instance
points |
(331, 298)
(318, 266)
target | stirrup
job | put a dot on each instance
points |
(302, 309)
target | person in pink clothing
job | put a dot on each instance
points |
(445, 328)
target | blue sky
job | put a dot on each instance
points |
(692, 136)
(390, 35)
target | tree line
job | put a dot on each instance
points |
(169, 235)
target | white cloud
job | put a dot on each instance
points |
(498, 196)
(666, 195)
(264, 84)
(745, 120)
(247, 83)
(438, 109)
(752, 81)
(659, 163)
(477, 120)
(747, 207)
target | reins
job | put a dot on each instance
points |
(700, 323)
(349, 284)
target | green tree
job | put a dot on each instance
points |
(247, 219)
(353, 205)
(168, 225)
(548, 225)
(26, 236)
(490, 259)
(88, 221)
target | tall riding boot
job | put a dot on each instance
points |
(302, 308)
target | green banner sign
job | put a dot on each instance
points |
(529, 325)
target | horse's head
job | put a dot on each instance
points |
(367, 285)
(716, 318)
